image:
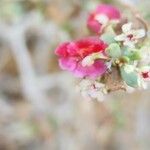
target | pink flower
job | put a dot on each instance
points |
(101, 15)
(71, 55)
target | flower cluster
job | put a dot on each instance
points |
(115, 58)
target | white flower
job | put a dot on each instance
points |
(130, 36)
(91, 89)
(143, 76)
(141, 82)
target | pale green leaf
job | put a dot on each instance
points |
(114, 50)
(131, 78)
(108, 38)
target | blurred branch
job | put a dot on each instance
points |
(16, 39)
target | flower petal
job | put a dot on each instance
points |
(93, 24)
(109, 10)
(87, 46)
(120, 37)
(129, 43)
(61, 50)
(97, 69)
(127, 27)
(72, 49)
(89, 60)
(102, 19)
(140, 33)
(67, 64)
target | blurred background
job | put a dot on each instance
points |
(39, 106)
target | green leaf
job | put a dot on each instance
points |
(135, 55)
(114, 50)
(108, 38)
(131, 78)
